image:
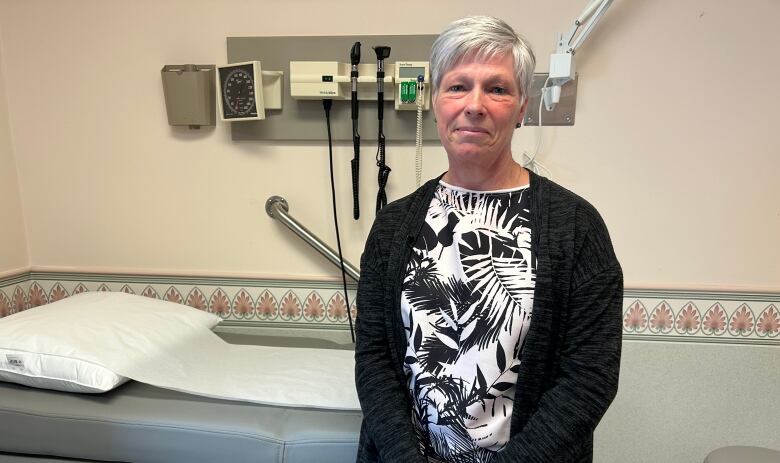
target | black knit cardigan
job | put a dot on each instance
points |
(571, 357)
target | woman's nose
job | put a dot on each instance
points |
(474, 104)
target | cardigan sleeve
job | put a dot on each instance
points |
(586, 380)
(386, 413)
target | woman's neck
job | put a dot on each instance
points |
(495, 177)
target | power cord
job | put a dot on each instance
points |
(529, 159)
(327, 104)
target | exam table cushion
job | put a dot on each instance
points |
(53, 346)
(141, 423)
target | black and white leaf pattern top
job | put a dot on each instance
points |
(466, 307)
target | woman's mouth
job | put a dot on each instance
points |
(469, 130)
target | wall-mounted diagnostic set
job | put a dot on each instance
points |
(317, 80)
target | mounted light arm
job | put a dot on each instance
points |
(562, 61)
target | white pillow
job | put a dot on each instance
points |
(53, 346)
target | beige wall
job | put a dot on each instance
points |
(677, 402)
(13, 244)
(674, 141)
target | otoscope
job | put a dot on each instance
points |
(354, 55)
(382, 53)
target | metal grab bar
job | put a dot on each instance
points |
(277, 208)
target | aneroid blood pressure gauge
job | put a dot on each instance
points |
(241, 92)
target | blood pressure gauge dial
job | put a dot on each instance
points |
(240, 92)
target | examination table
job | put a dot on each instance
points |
(137, 422)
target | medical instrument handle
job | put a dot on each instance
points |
(354, 54)
(380, 96)
(355, 163)
(382, 53)
(277, 208)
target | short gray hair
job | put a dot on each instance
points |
(487, 37)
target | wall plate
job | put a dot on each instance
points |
(562, 115)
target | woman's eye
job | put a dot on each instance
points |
(499, 90)
(455, 88)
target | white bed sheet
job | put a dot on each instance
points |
(288, 376)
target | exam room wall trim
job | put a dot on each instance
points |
(721, 317)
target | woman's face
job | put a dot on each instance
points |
(477, 107)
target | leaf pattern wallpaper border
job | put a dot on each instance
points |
(649, 315)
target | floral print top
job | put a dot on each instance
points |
(466, 307)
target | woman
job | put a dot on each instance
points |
(489, 324)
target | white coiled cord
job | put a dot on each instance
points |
(418, 137)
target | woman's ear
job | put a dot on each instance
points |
(433, 107)
(523, 108)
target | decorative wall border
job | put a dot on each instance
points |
(699, 316)
(242, 302)
(648, 315)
